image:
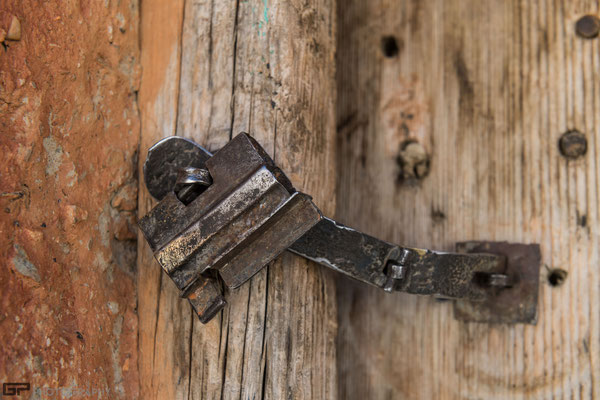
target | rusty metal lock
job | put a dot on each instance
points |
(248, 215)
(223, 217)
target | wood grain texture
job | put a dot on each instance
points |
(487, 88)
(217, 69)
(164, 320)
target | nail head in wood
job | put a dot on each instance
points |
(588, 26)
(572, 144)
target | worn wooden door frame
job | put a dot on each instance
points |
(213, 69)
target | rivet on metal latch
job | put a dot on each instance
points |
(396, 271)
(223, 217)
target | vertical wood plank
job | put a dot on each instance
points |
(164, 319)
(487, 88)
(267, 68)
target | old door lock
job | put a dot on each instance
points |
(223, 217)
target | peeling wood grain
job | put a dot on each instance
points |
(163, 317)
(502, 81)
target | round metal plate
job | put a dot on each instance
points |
(166, 158)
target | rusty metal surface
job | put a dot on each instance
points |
(165, 160)
(516, 303)
(207, 297)
(372, 261)
(281, 230)
(246, 217)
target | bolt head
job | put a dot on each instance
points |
(588, 26)
(572, 144)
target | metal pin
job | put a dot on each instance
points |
(191, 175)
(499, 280)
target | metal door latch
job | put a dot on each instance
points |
(223, 217)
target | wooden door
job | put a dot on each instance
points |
(449, 116)
(485, 89)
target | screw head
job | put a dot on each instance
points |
(572, 144)
(588, 26)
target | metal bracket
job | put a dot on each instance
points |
(517, 301)
(223, 217)
(232, 218)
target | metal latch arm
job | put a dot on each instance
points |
(395, 268)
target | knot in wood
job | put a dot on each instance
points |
(413, 161)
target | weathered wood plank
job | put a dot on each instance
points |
(487, 88)
(266, 68)
(164, 320)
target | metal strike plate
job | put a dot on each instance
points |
(516, 302)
